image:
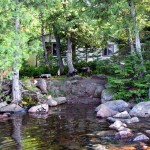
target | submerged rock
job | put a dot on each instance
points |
(105, 111)
(99, 147)
(142, 109)
(123, 134)
(128, 121)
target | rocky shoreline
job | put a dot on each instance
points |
(40, 94)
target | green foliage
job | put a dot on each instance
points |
(129, 80)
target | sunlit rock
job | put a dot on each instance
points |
(43, 108)
(141, 137)
(141, 110)
(117, 124)
(60, 100)
(51, 101)
(124, 115)
(105, 111)
(2, 104)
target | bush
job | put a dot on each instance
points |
(129, 80)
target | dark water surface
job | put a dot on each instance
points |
(67, 127)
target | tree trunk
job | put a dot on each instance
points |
(43, 43)
(137, 36)
(58, 45)
(69, 56)
(131, 42)
(16, 131)
(86, 52)
(16, 93)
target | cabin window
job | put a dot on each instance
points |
(51, 48)
(109, 50)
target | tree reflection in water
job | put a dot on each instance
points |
(16, 130)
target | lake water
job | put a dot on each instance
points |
(67, 127)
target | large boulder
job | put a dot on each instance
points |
(66, 87)
(90, 89)
(142, 109)
(41, 84)
(107, 95)
(105, 111)
(43, 108)
(98, 91)
(117, 105)
(12, 108)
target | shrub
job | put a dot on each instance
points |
(129, 80)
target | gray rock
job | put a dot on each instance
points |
(132, 120)
(2, 104)
(104, 111)
(117, 105)
(141, 137)
(124, 115)
(60, 100)
(107, 95)
(90, 89)
(12, 108)
(142, 109)
(41, 84)
(51, 102)
(76, 77)
(111, 119)
(117, 125)
(98, 91)
(66, 87)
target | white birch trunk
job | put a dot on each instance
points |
(69, 56)
(137, 36)
(131, 42)
(16, 94)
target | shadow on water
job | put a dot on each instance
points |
(67, 127)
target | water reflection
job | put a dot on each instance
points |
(67, 127)
(16, 130)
